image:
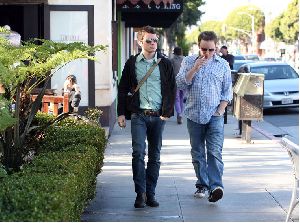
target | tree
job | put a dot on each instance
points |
(215, 26)
(285, 27)
(273, 29)
(22, 69)
(212, 25)
(192, 37)
(238, 24)
(176, 33)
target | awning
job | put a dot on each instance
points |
(156, 13)
(10, 2)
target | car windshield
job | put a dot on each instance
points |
(237, 65)
(276, 72)
(239, 57)
(251, 57)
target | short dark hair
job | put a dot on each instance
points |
(208, 36)
(177, 51)
(224, 47)
(143, 30)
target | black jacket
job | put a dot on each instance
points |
(230, 59)
(129, 82)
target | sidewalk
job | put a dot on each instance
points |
(257, 179)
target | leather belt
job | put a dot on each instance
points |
(151, 112)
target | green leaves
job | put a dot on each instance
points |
(23, 68)
(93, 114)
(285, 27)
(37, 57)
(239, 24)
(176, 32)
(60, 179)
(6, 119)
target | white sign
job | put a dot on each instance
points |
(67, 27)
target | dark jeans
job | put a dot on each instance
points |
(151, 128)
(74, 100)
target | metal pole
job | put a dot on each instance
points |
(252, 29)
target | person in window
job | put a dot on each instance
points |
(72, 88)
(207, 79)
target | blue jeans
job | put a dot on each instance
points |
(151, 128)
(207, 161)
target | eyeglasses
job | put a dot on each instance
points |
(205, 50)
(151, 40)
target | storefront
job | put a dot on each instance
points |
(90, 22)
(133, 14)
(109, 23)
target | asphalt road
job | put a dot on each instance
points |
(285, 119)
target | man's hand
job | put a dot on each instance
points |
(221, 108)
(219, 113)
(122, 121)
(198, 64)
(164, 118)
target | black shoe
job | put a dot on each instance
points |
(179, 120)
(216, 194)
(151, 201)
(140, 200)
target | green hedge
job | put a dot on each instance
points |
(72, 132)
(60, 180)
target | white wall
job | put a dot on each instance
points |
(105, 92)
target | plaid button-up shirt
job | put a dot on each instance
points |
(209, 86)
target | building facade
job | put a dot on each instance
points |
(112, 23)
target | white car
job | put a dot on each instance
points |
(281, 85)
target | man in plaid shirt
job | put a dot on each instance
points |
(207, 80)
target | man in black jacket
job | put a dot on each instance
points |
(226, 56)
(151, 106)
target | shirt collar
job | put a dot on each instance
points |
(141, 57)
(216, 57)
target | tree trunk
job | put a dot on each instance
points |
(12, 158)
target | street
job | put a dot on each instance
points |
(285, 120)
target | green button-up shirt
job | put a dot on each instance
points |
(150, 91)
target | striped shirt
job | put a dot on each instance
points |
(209, 86)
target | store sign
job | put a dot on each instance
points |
(146, 5)
(67, 27)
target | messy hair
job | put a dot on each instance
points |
(208, 36)
(144, 30)
(72, 78)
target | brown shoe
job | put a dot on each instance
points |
(140, 200)
(179, 120)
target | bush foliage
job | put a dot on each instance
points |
(56, 185)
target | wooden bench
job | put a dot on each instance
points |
(54, 100)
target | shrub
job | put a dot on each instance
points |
(72, 132)
(3, 172)
(56, 185)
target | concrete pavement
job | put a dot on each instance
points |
(257, 179)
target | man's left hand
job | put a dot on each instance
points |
(164, 118)
(219, 113)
